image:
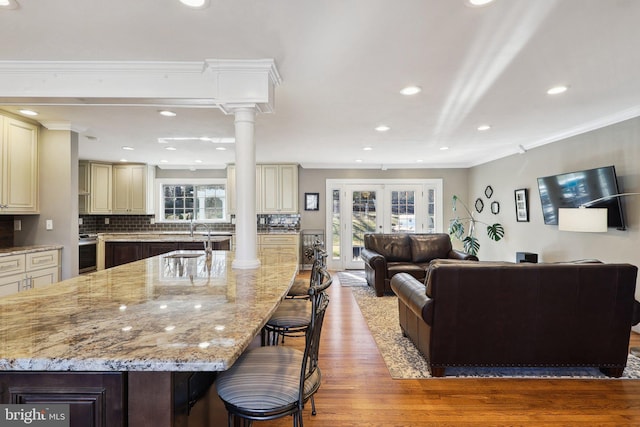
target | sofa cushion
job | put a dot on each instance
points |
(393, 247)
(416, 270)
(425, 247)
(438, 262)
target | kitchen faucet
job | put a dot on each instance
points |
(208, 248)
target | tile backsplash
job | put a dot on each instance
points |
(6, 231)
(142, 223)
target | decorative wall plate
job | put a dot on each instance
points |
(495, 208)
(488, 191)
(479, 205)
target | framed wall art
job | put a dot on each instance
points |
(311, 201)
(522, 205)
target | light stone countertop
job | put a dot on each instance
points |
(18, 250)
(157, 314)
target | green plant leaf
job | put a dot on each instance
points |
(456, 228)
(471, 245)
(495, 231)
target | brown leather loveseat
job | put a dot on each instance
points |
(502, 314)
(386, 254)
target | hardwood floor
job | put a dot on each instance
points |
(358, 391)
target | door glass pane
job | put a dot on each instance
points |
(431, 211)
(363, 219)
(403, 217)
(335, 225)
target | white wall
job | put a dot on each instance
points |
(617, 145)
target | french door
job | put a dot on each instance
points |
(390, 206)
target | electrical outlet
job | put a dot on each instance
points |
(80, 221)
(17, 225)
(152, 220)
(106, 221)
(49, 224)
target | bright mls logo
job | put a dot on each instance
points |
(54, 415)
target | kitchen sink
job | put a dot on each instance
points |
(184, 255)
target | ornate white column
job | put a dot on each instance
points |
(246, 221)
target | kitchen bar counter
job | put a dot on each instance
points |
(163, 313)
(138, 344)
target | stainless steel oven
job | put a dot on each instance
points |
(87, 253)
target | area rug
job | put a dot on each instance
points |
(350, 278)
(404, 361)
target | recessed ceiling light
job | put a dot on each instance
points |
(167, 113)
(478, 3)
(419, 161)
(196, 4)
(358, 160)
(444, 148)
(411, 90)
(164, 161)
(368, 148)
(382, 128)
(8, 4)
(28, 112)
(127, 148)
(198, 161)
(123, 160)
(171, 148)
(557, 90)
(220, 148)
(484, 127)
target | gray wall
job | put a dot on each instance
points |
(58, 152)
(617, 145)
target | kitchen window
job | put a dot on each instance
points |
(197, 200)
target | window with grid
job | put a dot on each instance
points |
(190, 201)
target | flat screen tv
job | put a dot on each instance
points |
(570, 190)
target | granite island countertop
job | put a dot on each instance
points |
(172, 312)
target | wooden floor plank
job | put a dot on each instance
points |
(357, 389)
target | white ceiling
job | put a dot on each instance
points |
(342, 64)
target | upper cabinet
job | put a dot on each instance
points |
(279, 189)
(276, 189)
(19, 163)
(115, 189)
(130, 189)
(100, 197)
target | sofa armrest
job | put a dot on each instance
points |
(636, 313)
(412, 293)
(373, 259)
(456, 254)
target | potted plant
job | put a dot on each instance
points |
(470, 241)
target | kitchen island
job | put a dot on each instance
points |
(137, 344)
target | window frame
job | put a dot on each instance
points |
(159, 205)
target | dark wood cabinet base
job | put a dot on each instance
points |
(113, 399)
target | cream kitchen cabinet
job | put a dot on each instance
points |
(130, 189)
(100, 184)
(276, 188)
(281, 241)
(29, 270)
(19, 163)
(279, 189)
(83, 187)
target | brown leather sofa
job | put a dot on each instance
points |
(502, 314)
(387, 254)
